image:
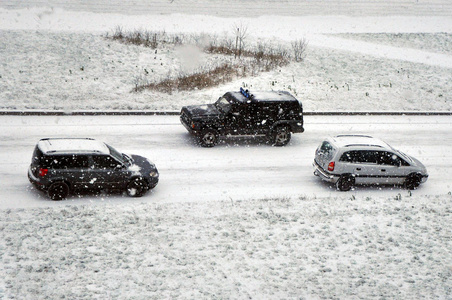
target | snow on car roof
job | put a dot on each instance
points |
(359, 140)
(265, 96)
(65, 145)
(274, 96)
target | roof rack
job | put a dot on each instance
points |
(246, 93)
(368, 145)
(355, 135)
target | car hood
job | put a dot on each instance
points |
(141, 164)
(206, 110)
(416, 163)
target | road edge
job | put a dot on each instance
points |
(172, 113)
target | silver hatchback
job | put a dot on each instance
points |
(347, 160)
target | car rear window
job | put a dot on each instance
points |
(327, 149)
(37, 154)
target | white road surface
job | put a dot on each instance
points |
(236, 169)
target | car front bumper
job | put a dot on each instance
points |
(424, 178)
(153, 181)
(187, 126)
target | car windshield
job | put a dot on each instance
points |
(117, 155)
(223, 105)
(404, 156)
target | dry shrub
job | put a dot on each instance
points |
(198, 80)
(262, 58)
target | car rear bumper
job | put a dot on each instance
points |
(319, 171)
(35, 181)
(297, 127)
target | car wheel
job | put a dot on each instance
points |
(58, 190)
(208, 138)
(345, 183)
(281, 136)
(137, 187)
(413, 181)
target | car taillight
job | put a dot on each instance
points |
(331, 166)
(43, 172)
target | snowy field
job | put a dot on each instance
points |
(55, 59)
(304, 248)
(259, 225)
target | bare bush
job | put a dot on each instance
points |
(299, 49)
(263, 57)
(118, 33)
(139, 81)
(240, 32)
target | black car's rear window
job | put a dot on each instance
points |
(37, 154)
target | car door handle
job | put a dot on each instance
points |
(383, 170)
(358, 169)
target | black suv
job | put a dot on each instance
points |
(60, 166)
(274, 114)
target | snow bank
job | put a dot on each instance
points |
(76, 71)
(56, 58)
(289, 248)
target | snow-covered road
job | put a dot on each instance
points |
(235, 169)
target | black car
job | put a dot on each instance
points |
(62, 165)
(275, 114)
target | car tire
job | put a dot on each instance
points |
(413, 181)
(58, 190)
(345, 183)
(281, 136)
(137, 187)
(208, 138)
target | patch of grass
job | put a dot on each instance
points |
(198, 80)
(247, 61)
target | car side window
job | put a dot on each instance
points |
(69, 162)
(78, 162)
(236, 110)
(388, 158)
(363, 157)
(104, 162)
(349, 156)
(267, 112)
(369, 157)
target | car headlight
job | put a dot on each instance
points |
(154, 174)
